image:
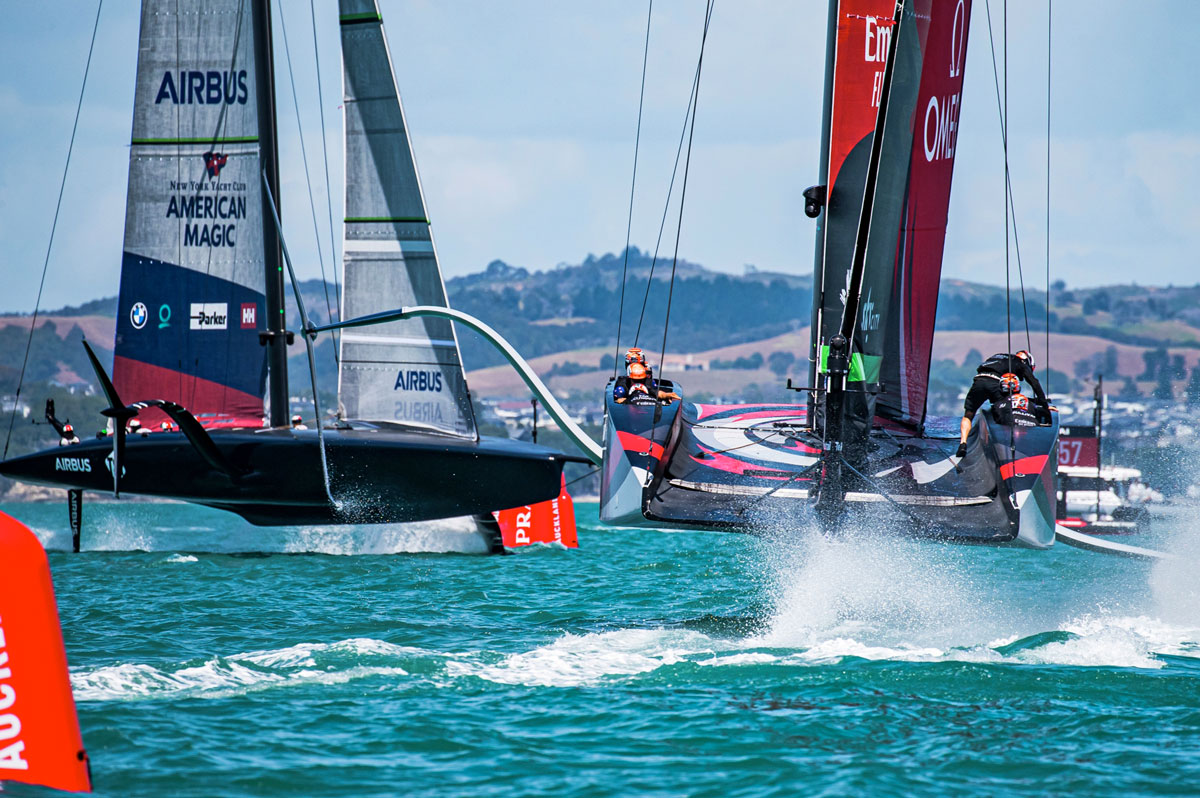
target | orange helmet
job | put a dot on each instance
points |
(67, 428)
(637, 371)
(634, 355)
(1020, 401)
(1027, 356)
(1010, 383)
(165, 426)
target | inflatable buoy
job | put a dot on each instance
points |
(40, 741)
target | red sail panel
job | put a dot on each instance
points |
(863, 35)
(864, 29)
(39, 733)
(923, 237)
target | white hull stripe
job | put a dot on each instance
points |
(803, 493)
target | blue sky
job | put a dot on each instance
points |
(523, 113)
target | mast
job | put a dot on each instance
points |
(816, 197)
(274, 337)
(833, 486)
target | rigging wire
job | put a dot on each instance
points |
(1049, 39)
(1009, 207)
(687, 162)
(337, 286)
(53, 227)
(1004, 137)
(662, 225)
(632, 186)
(307, 178)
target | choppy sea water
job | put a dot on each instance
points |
(657, 663)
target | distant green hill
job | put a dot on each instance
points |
(573, 307)
(577, 306)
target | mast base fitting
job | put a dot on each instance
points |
(838, 361)
(267, 336)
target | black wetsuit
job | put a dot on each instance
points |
(987, 385)
(1006, 412)
(624, 389)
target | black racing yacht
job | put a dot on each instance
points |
(862, 448)
(200, 355)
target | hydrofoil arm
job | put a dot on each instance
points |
(573, 431)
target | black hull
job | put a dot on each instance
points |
(377, 475)
(756, 468)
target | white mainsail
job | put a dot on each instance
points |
(410, 371)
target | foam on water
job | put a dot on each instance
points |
(573, 660)
(591, 659)
(886, 598)
(219, 677)
(133, 526)
(882, 589)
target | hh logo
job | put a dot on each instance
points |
(249, 311)
(214, 162)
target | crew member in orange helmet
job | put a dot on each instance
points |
(638, 387)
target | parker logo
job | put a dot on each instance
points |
(209, 316)
(138, 315)
(80, 465)
(249, 314)
(214, 162)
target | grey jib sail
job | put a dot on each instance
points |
(407, 372)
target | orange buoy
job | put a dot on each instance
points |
(40, 741)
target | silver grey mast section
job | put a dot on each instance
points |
(581, 439)
(409, 371)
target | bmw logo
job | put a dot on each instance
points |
(138, 315)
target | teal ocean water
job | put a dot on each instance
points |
(656, 663)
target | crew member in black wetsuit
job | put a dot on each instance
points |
(996, 379)
(638, 387)
(1020, 411)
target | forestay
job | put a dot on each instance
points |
(410, 371)
(191, 295)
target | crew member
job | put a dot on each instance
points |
(298, 423)
(996, 379)
(638, 387)
(68, 436)
(1020, 411)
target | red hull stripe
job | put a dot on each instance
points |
(639, 445)
(1026, 466)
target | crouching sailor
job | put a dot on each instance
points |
(997, 380)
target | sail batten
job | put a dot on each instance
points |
(407, 371)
